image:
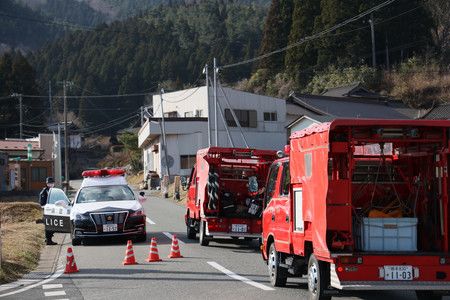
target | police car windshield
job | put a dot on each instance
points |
(105, 193)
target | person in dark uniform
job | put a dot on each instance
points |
(50, 182)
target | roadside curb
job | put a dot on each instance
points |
(50, 267)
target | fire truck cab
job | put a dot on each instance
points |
(225, 193)
(361, 205)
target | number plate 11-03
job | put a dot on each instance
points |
(398, 273)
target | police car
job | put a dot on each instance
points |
(105, 206)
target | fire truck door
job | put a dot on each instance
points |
(282, 210)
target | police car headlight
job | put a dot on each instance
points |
(80, 217)
(136, 213)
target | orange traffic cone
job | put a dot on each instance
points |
(129, 255)
(153, 255)
(71, 266)
(175, 250)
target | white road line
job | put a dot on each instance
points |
(171, 236)
(50, 279)
(55, 293)
(19, 283)
(52, 286)
(239, 277)
(149, 221)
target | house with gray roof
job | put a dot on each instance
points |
(353, 101)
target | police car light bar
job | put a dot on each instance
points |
(103, 173)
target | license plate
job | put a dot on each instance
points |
(239, 228)
(109, 227)
(398, 273)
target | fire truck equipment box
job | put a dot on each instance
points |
(387, 234)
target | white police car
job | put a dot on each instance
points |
(105, 206)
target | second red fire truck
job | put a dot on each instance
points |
(361, 205)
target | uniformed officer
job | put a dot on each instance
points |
(50, 182)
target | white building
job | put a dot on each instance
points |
(262, 118)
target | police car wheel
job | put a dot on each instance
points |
(76, 241)
(141, 238)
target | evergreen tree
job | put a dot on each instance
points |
(301, 59)
(276, 34)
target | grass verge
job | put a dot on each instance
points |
(22, 239)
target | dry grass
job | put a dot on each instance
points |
(137, 179)
(183, 194)
(22, 239)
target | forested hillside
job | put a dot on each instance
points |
(411, 36)
(23, 28)
(168, 44)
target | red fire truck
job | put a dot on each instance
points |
(224, 193)
(361, 205)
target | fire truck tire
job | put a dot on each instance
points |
(427, 295)
(203, 239)
(277, 274)
(190, 231)
(317, 279)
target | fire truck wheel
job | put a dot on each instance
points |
(278, 275)
(427, 295)
(317, 279)
(190, 231)
(203, 239)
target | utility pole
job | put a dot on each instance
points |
(66, 138)
(205, 71)
(215, 104)
(50, 99)
(142, 116)
(16, 95)
(163, 132)
(21, 116)
(372, 30)
(387, 54)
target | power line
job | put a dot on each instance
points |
(188, 96)
(311, 37)
(89, 96)
(111, 125)
(64, 24)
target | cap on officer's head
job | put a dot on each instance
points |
(49, 180)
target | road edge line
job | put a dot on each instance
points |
(239, 277)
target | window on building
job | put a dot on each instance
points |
(198, 113)
(171, 114)
(270, 116)
(187, 161)
(188, 114)
(247, 118)
(38, 174)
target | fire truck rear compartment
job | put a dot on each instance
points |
(391, 184)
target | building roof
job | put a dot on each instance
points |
(351, 90)
(18, 145)
(439, 112)
(330, 108)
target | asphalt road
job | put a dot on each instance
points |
(199, 275)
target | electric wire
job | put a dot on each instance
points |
(311, 37)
